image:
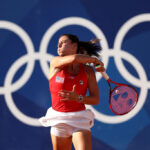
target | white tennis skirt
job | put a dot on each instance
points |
(80, 119)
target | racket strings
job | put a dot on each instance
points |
(123, 99)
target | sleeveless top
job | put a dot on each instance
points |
(63, 80)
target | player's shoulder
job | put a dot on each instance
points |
(54, 58)
(88, 69)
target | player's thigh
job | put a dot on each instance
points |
(61, 143)
(82, 140)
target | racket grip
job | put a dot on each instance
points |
(104, 74)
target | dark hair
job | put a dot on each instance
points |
(90, 48)
(72, 37)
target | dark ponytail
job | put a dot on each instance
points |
(90, 48)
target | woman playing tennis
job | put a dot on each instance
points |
(69, 79)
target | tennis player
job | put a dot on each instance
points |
(69, 79)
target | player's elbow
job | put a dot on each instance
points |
(76, 58)
(73, 59)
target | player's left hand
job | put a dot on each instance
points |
(69, 95)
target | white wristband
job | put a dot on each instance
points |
(80, 98)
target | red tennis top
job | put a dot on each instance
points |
(63, 80)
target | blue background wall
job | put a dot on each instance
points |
(22, 105)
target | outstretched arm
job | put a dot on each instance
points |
(60, 62)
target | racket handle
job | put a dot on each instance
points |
(104, 74)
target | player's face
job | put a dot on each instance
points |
(65, 46)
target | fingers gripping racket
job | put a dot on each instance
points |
(122, 98)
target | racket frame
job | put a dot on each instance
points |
(112, 90)
(106, 77)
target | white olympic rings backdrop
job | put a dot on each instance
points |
(44, 57)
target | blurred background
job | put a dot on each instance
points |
(29, 31)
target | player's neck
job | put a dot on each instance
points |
(74, 68)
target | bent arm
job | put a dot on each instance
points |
(93, 98)
(60, 62)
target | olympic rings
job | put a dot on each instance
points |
(44, 57)
(28, 44)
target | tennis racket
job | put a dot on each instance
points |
(122, 98)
